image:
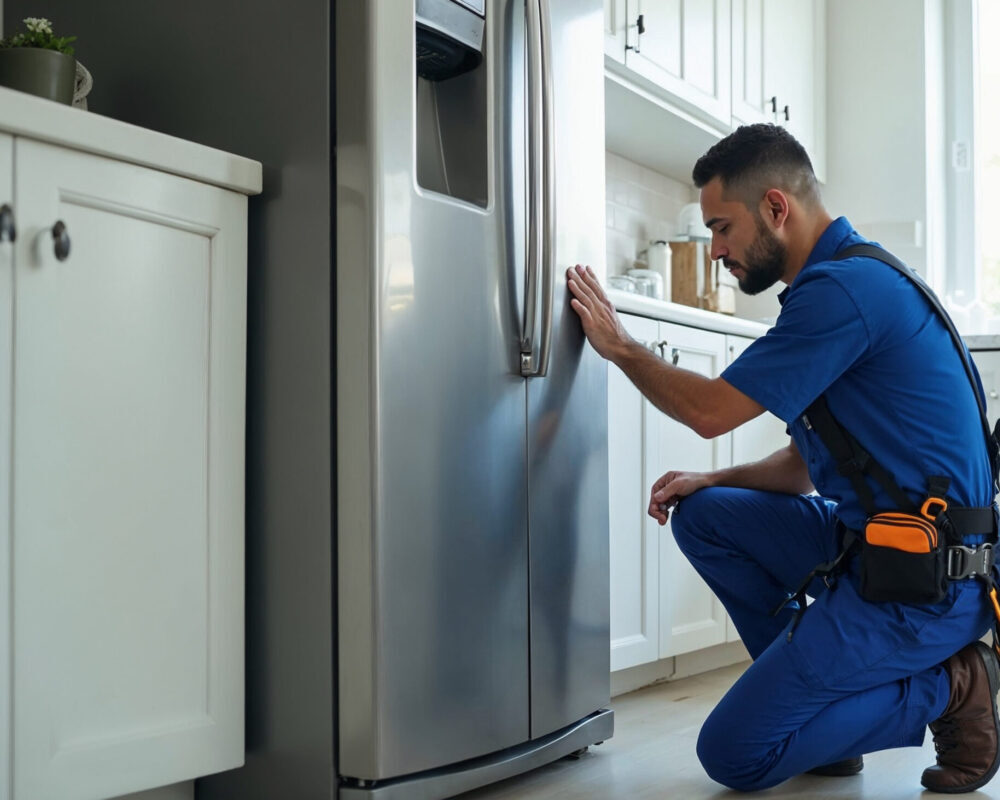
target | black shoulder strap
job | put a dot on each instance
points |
(873, 251)
(853, 461)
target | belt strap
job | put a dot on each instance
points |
(970, 521)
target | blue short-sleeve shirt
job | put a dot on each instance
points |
(860, 333)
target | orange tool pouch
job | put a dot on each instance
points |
(903, 556)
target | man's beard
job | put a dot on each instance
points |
(765, 261)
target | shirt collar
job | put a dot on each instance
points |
(830, 242)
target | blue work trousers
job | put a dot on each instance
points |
(856, 677)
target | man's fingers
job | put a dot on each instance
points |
(582, 310)
(584, 282)
(590, 278)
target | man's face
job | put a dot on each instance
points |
(754, 255)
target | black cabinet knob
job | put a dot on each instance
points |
(60, 240)
(8, 231)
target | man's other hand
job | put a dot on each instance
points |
(670, 488)
(601, 325)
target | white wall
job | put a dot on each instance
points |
(878, 82)
(641, 205)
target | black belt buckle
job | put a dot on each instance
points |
(969, 562)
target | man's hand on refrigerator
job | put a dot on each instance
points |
(601, 325)
(670, 488)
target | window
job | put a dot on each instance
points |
(987, 158)
(970, 282)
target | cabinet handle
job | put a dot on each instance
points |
(640, 26)
(8, 231)
(774, 104)
(675, 356)
(786, 113)
(60, 240)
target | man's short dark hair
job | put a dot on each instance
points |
(755, 158)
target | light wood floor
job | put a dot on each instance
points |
(652, 755)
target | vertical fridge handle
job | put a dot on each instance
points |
(541, 190)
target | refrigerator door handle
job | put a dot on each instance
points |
(541, 190)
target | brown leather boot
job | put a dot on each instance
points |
(967, 735)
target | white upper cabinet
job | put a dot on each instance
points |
(750, 102)
(779, 69)
(795, 71)
(683, 47)
(615, 24)
(680, 74)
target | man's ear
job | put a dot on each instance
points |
(774, 208)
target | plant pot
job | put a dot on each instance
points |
(46, 73)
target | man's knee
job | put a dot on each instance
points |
(730, 760)
(694, 516)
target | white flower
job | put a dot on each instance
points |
(38, 25)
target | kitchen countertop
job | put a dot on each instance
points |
(685, 315)
(47, 121)
(982, 342)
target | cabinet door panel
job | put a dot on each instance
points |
(128, 478)
(634, 535)
(754, 440)
(790, 66)
(750, 103)
(762, 436)
(686, 51)
(691, 617)
(615, 27)
(6, 330)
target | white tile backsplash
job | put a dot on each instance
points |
(641, 205)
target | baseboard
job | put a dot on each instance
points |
(682, 666)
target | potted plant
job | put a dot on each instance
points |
(37, 61)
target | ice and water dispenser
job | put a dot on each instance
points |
(451, 101)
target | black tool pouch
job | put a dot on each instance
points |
(903, 560)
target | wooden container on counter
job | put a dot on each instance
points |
(684, 274)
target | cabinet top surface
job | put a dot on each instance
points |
(685, 315)
(33, 117)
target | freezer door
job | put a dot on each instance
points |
(431, 451)
(567, 409)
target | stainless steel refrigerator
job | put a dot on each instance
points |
(427, 526)
(472, 488)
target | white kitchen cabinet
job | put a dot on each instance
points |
(6, 325)
(691, 616)
(635, 536)
(751, 103)
(122, 368)
(756, 439)
(794, 62)
(683, 48)
(615, 26)
(660, 606)
(779, 69)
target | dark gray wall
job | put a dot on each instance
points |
(254, 78)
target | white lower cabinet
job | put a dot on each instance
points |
(635, 536)
(122, 375)
(660, 606)
(691, 616)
